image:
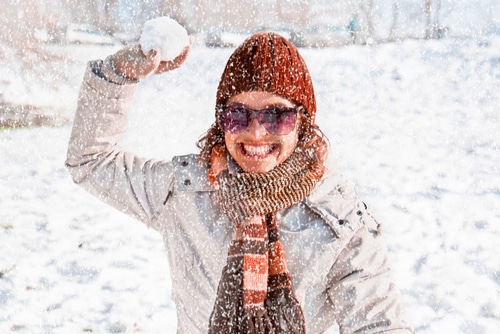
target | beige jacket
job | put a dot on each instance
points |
(333, 250)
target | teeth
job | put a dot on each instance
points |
(258, 150)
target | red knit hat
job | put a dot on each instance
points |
(268, 62)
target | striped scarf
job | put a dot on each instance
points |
(255, 291)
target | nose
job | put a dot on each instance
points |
(255, 129)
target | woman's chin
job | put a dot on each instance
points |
(257, 164)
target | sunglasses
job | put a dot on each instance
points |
(277, 120)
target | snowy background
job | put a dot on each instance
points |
(415, 124)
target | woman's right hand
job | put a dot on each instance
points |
(132, 63)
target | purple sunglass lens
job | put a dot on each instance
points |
(276, 120)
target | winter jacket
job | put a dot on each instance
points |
(332, 244)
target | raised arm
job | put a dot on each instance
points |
(134, 185)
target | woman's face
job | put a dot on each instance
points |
(254, 149)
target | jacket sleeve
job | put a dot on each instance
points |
(362, 293)
(95, 160)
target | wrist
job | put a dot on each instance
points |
(110, 73)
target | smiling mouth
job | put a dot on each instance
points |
(260, 151)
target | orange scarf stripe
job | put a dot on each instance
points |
(277, 263)
(279, 281)
(254, 297)
(256, 264)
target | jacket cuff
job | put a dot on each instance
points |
(95, 78)
(109, 72)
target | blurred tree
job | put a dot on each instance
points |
(396, 9)
(428, 15)
(25, 26)
(174, 9)
(107, 21)
(98, 13)
(433, 26)
(367, 8)
(27, 23)
(298, 13)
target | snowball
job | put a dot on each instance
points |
(165, 34)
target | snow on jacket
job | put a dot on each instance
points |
(332, 244)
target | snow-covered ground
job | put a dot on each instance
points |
(415, 124)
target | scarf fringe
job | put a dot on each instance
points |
(258, 320)
(289, 319)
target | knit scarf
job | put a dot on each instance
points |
(255, 291)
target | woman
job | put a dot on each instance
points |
(261, 238)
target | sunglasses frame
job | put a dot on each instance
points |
(252, 114)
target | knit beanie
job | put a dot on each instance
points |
(268, 62)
